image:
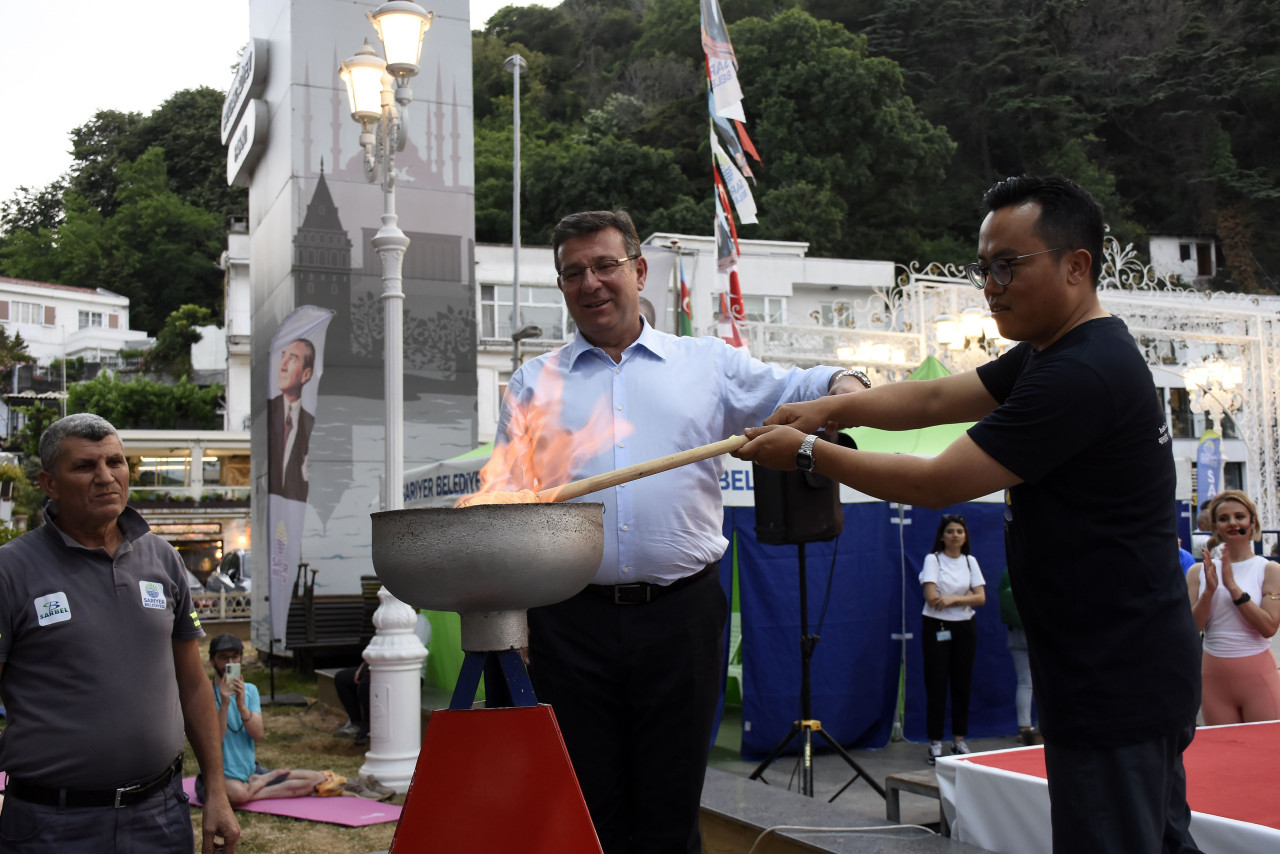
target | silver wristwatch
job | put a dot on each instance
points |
(804, 456)
(851, 372)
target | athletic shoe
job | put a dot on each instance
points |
(362, 736)
(347, 730)
(356, 789)
(371, 783)
(959, 747)
(935, 750)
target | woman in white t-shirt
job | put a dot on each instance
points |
(953, 584)
(1236, 603)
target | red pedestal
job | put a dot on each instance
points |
(494, 781)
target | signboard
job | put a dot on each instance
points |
(247, 144)
(250, 80)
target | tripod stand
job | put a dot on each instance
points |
(806, 726)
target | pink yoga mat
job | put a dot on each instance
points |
(351, 812)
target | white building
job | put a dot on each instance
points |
(66, 322)
(1191, 260)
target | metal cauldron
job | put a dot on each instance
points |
(489, 562)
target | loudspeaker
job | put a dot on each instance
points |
(795, 507)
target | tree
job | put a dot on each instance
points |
(171, 353)
(13, 352)
(154, 248)
(144, 404)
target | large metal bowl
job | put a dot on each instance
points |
(496, 557)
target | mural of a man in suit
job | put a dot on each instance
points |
(289, 424)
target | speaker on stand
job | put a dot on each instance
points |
(796, 508)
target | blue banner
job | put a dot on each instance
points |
(1208, 467)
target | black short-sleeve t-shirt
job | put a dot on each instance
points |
(1091, 536)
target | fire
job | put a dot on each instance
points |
(542, 454)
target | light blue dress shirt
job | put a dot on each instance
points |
(668, 394)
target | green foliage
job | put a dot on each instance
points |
(36, 417)
(144, 404)
(172, 351)
(154, 248)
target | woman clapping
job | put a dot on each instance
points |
(1236, 603)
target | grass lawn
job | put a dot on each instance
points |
(299, 737)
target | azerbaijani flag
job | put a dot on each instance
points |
(684, 319)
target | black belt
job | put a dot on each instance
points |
(643, 592)
(122, 797)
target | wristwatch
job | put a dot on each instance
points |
(850, 372)
(804, 456)
(1244, 595)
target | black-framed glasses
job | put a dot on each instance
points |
(604, 270)
(1001, 269)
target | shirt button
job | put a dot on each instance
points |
(617, 370)
(624, 527)
(619, 407)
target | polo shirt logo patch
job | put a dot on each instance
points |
(152, 595)
(53, 608)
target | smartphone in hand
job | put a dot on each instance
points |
(233, 671)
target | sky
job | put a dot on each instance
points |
(113, 56)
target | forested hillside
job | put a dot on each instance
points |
(880, 123)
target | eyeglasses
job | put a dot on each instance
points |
(604, 270)
(1001, 269)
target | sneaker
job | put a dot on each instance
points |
(362, 736)
(357, 789)
(347, 730)
(935, 750)
(371, 782)
(959, 747)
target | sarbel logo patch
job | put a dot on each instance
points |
(53, 608)
(152, 595)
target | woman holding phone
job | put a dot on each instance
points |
(953, 585)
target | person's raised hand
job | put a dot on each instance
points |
(1210, 573)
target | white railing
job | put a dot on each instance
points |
(222, 606)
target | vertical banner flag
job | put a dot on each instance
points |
(1208, 466)
(727, 327)
(294, 368)
(684, 313)
(730, 146)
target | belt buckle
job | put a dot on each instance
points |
(122, 791)
(620, 599)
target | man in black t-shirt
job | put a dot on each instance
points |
(1070, 427)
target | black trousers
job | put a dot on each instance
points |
(948, 664)
(1120, 800)
(354, 695)
(634, 689)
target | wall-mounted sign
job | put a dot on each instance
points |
(250, 80)
(247, 143)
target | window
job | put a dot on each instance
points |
(760, 309)
(89, 318)
(1184, 251)
(1182, 421)
(540, 306)
(28, 312)
(161, 471)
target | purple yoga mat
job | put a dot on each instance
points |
(350, 812)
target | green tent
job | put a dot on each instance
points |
(923, 441)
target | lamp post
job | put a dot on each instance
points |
(513, 66)
(395, 654)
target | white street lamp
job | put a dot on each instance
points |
(395, 654)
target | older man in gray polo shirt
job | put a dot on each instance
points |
(100, 669)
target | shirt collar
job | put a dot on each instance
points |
(131, 523)
(650, 339)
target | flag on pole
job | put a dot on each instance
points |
(684, 317)
(727, 326)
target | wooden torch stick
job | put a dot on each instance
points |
(586, 486)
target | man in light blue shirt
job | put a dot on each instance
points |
(632, 665)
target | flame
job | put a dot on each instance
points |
(542, 454)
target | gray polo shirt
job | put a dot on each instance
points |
(86, 640)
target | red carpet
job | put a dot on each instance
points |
(1231, 771)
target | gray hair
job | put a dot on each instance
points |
(83, 425)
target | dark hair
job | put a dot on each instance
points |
(590, 222)
(225, 643)
(947, 519)
(1070, 217)
(83, 425)
(309, 359)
